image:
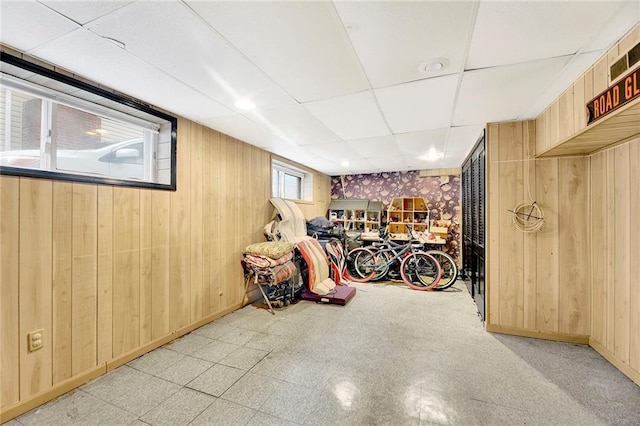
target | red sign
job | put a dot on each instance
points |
(624, 91)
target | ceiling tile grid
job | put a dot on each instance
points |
(419, 105)
(301, 45)
(393, 39)
(354, 116)
(337, 86)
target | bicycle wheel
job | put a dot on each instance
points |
(449, 269)
(382, 263)
(420, 271)
(361, 265)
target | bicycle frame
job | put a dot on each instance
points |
(404, 250)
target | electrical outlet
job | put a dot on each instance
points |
(35, 340)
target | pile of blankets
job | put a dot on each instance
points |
(270, 264)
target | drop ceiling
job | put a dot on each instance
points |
(338, 86)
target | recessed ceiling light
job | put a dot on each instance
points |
(433, 66)
(345, 163)
(433, 156)
(245, 104)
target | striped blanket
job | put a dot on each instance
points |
(318, 280)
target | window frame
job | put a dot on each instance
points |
(130, 106)
(282, 169)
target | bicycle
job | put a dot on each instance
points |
(449, 269)
(418, 269)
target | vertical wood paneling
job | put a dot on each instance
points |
(35, 283)
(600, 76)
(629, 40)
(599, 244)
(206, 222)
(566, 115)
(609, 250)
(126, 270)
(541, 133)
(228, 186)
(160, 263)
(511, 240)
(9, 290)
(616, 252)
(84, 282)
(104, 270)
(146, 259)
(246, 189)
(216, 205)
(530, 242)
(547, 246)
(634, 252)
(61, 305)
(552, 124)
(579, 102)
(232, 250)
(105, 273)
(246, 215)
(574, 297)
(196, 213)
(493, 219)
(621, 263)
(179, 290)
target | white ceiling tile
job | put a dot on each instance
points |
(393, 39)
(509, 32)
(301, 45)
(463, 138)
(296, 154)
(503, 93)
(559, 83)
(179, 43)
(361, 166)
(626, 18)
(25, 25)
(84, 11)
(350, 117)
(332, 169)
(390, 163)
(93, 57)
(419, 163)
(240, 127)
(419, 105)
(383, 146)
(420, 143)
(454, 159)
(296, 123)
(338, 152)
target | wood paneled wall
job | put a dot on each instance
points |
(613, 222)
(615, 256)
(111, 272)
(537, 283)
(567, 115)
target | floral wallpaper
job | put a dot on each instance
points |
(441, 193)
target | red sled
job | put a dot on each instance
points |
(340, 295)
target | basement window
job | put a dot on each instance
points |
(54, 126)
(290, 182)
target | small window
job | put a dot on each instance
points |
(290, 182)
(51, 129)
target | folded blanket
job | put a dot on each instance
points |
(272, 249)
(267, 262)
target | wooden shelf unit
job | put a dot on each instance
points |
(407, 212)
(356, 214)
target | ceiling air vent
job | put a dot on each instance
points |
(634, 55)
(626, 61)
(619, 67)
